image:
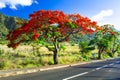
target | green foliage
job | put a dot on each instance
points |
(62, 47)
(118, 50)
(105, 56)
(106, 40)
(70, 24)
(5, 64)
(50, 62)
(110, 54)
(41, 41)
(85, 57)
(77, 38)
(1, 51)
(85, 48)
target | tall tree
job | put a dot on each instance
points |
(51, 27)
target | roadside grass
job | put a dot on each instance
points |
(34, 56)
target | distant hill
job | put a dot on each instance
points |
(8, 23)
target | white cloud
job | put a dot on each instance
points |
(2, 5)
(101, 16)
(13, 3)
(107, 17)
(117, 26)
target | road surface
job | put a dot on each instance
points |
(106, 70)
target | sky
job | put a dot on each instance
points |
(102, 11)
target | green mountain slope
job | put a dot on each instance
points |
(7, 24)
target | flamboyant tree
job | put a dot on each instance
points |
(51, 27)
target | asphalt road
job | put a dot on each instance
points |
(107, 70)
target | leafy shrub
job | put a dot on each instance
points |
(50, 62)
(110, 54)
(105, 56)
(5, 64)
(30, 65)
(85, 57)
(1, 51)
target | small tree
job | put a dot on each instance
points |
(51, 27)
(115, 42)
(106, 40)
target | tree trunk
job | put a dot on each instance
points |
(100, 52)
(56, 50)
(55, 56)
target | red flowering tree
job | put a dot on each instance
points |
(51, 27)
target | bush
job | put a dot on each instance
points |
(5, 64)
(110, 54)
(85, 57)
(1, 51)
(30, 65)
(105, 56)
(51, 62)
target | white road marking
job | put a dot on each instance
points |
(101, 67)
(111, 64)
(105, 66)
(76, 75)
(81, 74)
(98, 68)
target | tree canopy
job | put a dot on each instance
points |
(52, 24)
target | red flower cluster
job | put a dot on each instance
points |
(46, 18)
(84, 23)
(106, 29)
(35, 35)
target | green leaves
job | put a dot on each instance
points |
(41, 41)
(49, 34)
(71, 25)
(57, 33)
(62, 47)
(85, 47)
